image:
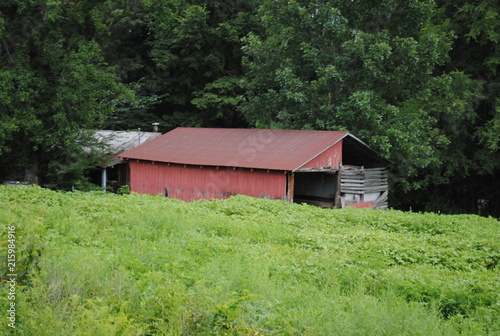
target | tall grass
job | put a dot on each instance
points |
(144, 265)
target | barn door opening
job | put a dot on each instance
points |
(315, 188)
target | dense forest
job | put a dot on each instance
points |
(417, 80)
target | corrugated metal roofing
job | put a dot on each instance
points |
(249, 148)
(116, 142)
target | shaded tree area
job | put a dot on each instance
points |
(417, 80)
(182, 57)
(476, 52)
(54, 86)
(475, 131)
(392, 73)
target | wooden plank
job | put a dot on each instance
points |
(362, 191)
(375, 184)
(377, 187)
(354, 192)
(376, 168)
(346, 167)
(351, 178)
(381, 201)
(317, 170)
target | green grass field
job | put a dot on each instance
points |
(104, 264)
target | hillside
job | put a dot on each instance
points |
(104, 264)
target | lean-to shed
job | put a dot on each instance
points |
(325, 168)
(111, 170)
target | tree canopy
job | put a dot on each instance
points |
(417, 80)
(54, 84)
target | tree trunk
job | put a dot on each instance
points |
(31, 171)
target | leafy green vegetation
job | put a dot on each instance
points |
(104, 264)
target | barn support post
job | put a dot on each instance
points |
(104, 178)
(290, 186)
(338, 197)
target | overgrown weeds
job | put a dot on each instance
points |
(144, 265)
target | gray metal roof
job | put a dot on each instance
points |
(117, 142)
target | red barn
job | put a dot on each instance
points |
(325, 168)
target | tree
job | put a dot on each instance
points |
(196, 52)
(54, 85)
(475, 52)
(126, 42)
(377, 69)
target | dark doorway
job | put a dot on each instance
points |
(116, 176)
(315, 188)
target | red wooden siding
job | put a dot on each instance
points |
(191, 183)
(330, 158)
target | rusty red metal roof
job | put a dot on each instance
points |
(248, 148)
